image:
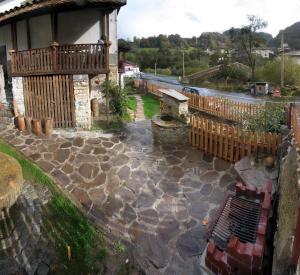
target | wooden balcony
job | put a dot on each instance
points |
(63, 59)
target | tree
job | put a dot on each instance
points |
(247, 39)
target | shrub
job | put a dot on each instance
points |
(118, 98)
(268, 119)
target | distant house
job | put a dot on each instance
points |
(264, 53)
(55, 54)
(129, 69)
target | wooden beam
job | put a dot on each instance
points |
(14, 38)
(28, 34)
(54, 28)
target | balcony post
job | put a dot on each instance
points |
(54, 56)
(12, 53)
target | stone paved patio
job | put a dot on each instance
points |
(153, 196)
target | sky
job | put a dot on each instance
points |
(143, 18)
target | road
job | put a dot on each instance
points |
(173, 83)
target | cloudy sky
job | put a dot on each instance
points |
(189, 18)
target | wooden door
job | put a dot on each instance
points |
(50, 96)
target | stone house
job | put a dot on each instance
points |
(55, 54)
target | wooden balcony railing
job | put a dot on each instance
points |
(65, 59)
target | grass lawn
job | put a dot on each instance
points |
(131, 103)
(64, 224)
(151, 105)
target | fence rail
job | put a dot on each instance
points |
(228, 142)
(64, 59)
(221, 107)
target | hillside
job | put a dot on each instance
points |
(291, 36)
(213, 40)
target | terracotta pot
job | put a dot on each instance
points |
(269, 162)
(21, 123)
(95, 107)
(37, 127)
(48, 126)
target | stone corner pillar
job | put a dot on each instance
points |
(83, 113)
(18, 94)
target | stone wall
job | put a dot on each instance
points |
(83, 112)
(2, 87)
(170, 134)
(287, 213)
(17, 90)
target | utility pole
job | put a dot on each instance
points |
(282, 59)
(183, 65)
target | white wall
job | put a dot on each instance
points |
(22, 35)
(79, 27)
(5, 38)
(113, 37)
(40, 31)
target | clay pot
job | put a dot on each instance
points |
(21, 123)
(37, 127)
(48, 126)
(28, 122)
(269, 162)
(95, 107)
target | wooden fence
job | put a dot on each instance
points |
(50, 96)
(228, 142)
(220, 107)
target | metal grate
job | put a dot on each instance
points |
(240, 217)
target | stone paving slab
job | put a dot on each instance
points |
(153, 196)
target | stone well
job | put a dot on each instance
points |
(171, 125)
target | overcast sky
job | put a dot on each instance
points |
(143, 18)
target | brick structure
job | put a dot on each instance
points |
(239, 257)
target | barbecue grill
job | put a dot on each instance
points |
(237, 238)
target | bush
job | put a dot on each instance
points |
(268, 119)
(118, 98)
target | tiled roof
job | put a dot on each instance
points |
(35, 5)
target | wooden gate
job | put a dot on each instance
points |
(50, 96)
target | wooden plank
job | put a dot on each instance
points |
(232, 136)
(56, 109)
(226, 142)
(206, 136)
(249, 144)
(194, 132)
(221, 142)
(202, 135)
(211, 138)
(68, 100)
(72, 100)
(237, 145)
(216, 139)
(243, 144)
(61, 100)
